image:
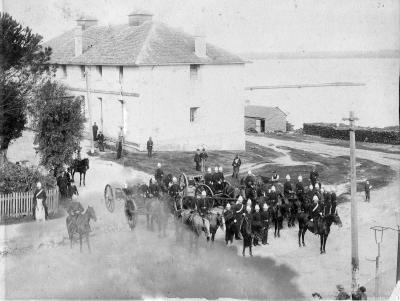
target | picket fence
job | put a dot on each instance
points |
(19, 204)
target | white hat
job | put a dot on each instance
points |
(300, 178)
(273, 188)
(287, 177)
(174, 179)
(265, 206)
(256, 207)
(38, 184)
(248, 208)
(74, 197)
(315, 198)
(228, 206)
(240, 198)
(158, 164)
(249, 202)
(209, 169)
(203, 193)
(310, 187)
(220, 168)
(249, 172)
(216, 168)
(126, 184)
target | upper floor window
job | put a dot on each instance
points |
(64, 70)
(82, 68)
(121, 73)
(99, 71)
(194, 114)
(193, 71)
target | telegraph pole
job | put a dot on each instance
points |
(354, 216)
(90, 113)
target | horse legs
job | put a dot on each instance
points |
(84, 178)
(321, 242)
(302, 236)
(325, 239)
(88, 242)
(300, 231)
(244, 248)
(80, 179)
(80, 242)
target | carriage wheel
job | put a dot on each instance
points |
(109, 198)
(229, 190)
(183, 183)
(203, 187)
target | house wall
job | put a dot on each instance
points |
(249, 123)
(162, 110)
(277, 122)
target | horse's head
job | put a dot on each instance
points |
(91, 213)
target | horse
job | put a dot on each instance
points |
(158, 212)
(216, 220)
(196, 225)
(80, 166)
(245, 230)
(277, 218)
(323, 227)
(80, 224)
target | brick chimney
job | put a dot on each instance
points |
(83, 23)
(138, 17)
(200, 46)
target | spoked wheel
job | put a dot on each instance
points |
(109, 198)
(229, 190)
(183, 183)
(222, 200)
(203, 187)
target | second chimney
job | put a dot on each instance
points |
(200, 46)
(78, 40)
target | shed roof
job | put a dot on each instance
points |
(261, 111)
(151, 43)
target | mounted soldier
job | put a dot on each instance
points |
(266, 216)
(215, 178)
(159, 175)
(154, 189)
(174, 190)
(203, 204)
(274, 178)
(75, 208)
(314, 175)
(315, 214)
(250, 182)
(287, 188)
(272, 196)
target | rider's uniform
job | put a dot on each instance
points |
(174, 190)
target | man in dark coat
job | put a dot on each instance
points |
(314, 176)
(159, 175)
(100, 139)
(367, 189)
(287, 187)
(203, 159)
(266, 216)
(238, 210)
(174, 190)
(208, 178)
(197, 160)
(149, 147)
(300, 189)
(229, 223)
(236, 166)
(39, 193)
(120, 141)
(95, 128)
(256, 225)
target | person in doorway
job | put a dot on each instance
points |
(149, 147)
(203, 159)
(120, 141)
(95, 128)
(236, 166)
(197, 160)
(100, 140)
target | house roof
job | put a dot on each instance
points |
(261, 111)
(150, 43)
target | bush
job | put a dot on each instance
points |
(362, 134)
(15, 178)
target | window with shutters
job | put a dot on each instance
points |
(194, 69)
(194, 114)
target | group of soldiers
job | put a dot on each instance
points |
(262, 203)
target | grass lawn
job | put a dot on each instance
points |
(178, 162)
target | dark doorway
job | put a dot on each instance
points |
(262, 125)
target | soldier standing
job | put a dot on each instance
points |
(256, 225)
(236, 166)
(229, 219)
(119, 143)
(300, 189)
(367, 189)
(100, 139)
(197, 160)
(314, 176)
(266, 216)
(203, 158)
(159, 174)
(39, 193)
(149, 147)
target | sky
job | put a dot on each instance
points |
(237, 25)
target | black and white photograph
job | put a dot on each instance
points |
(199, 150)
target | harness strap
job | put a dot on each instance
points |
(40, 191)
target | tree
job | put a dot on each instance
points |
(22, 66)
(59, 122)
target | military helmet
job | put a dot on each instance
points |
(209, 170)
(265, 206)
(315, 198)
(174, 179)
(203, 193)
(158, 164)
(220, 169)
(215, 169)
(310, 187)
(287, 177)
(249, 172)
(249, 202)
(300, 178)
(240, 198)
(248, 208)
(273, 188)
(228, 206)
(256, 207)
